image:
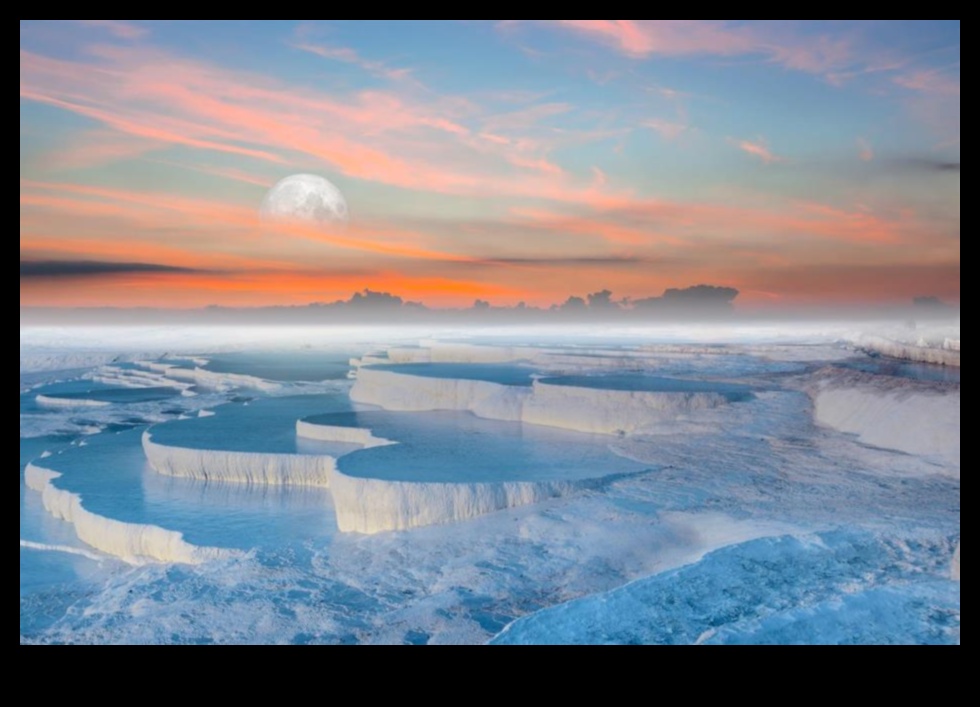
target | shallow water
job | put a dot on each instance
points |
(292, 366)
(650, 384)
(504, 374)
(257, 425)
(459, 447)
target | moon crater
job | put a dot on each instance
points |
(307, 199)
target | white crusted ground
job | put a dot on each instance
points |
(892, 413)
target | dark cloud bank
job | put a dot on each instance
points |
(32, 269)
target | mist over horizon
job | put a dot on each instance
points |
(700, 303)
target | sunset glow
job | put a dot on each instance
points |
(802, 163)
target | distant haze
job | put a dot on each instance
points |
(701, 303)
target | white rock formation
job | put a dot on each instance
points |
(209, 379)
(365, 505)
(374, 506)
(345, 435)
(48, 401)
(240, 467)
(892, 413)
(920, 351)
(591, 410)
(131, 542)
(410, 393)
(600, 411)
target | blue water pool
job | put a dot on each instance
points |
(460, 447)
(503, 374)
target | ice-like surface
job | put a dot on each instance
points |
(955, 569)
(131, 542)
(835, 588)
(719, 477)
(451, 466)
(893, 413)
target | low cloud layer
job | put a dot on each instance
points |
(90, 268)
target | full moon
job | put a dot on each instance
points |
(305, 198)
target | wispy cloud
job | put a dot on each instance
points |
(758, 148)
(524, 118)
(350, 56)
(383, 137)
(669, 37)
(231, 173)
(118, 28)
(502, 172)
(933, 97)
(931, 81)
(781, 45)
(667, 129)
(93, 148)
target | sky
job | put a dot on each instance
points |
(810, 162)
